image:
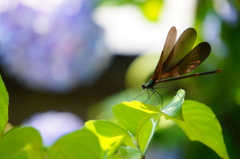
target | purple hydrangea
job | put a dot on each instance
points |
(53, 46)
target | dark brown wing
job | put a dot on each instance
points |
(168, 46)
(183, 45)
(190, 62)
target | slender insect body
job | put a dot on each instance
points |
(150, 84)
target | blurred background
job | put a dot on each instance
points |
(67, 61)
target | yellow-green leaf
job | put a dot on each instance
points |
(3, 107)
(127, 153)
(132, 114)
(22, 142)
(201, 124)
(110, 135)
(146, 132)
(79, 144)
(174, 108)
(138, 118)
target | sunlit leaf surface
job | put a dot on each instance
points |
(174, 108)
(127, 153)
(21, 143)
(201, 124)
(79, 144)
(3, 107)
(132, 114)
(110, 135)
(138, 118)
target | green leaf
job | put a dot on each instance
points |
(138, 118)
(127, 153)
(110, 135)
(3, 107)
(22, 142)
(201, 124)
(151, 9)
(79, 144)
(174, 108)
(148, 126)
(132, 114)
(146, 132)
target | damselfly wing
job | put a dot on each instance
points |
(178, 59)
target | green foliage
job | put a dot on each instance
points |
(141, 125)
(174, 108)
(201, 124)
(127, 153)
(110, 135)
(129, 137)
(21, 143)
(3, 107)
(79, 144)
